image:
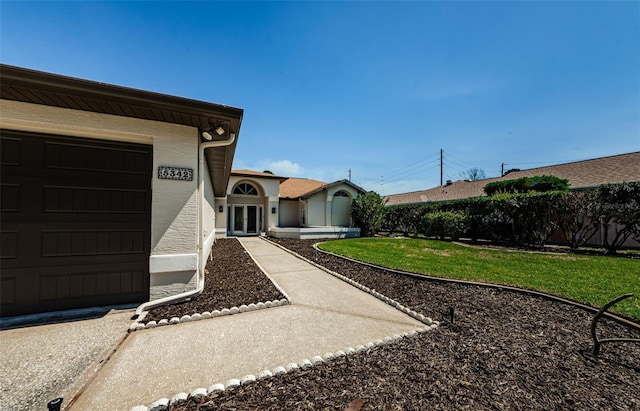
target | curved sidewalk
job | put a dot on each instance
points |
(325, 315)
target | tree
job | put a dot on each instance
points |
(367, 211)
(617, 213)
(473, 174)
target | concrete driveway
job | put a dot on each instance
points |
(43, 362)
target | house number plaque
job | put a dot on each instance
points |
(175, 173)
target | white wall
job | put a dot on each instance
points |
(289, 213)
(316, 206)
(341, 211)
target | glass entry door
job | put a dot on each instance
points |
(245, 219)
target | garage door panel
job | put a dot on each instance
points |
(69, 199)
(85, 285)
(9, 244)
(95, 157)
(10, 151)
(87, 243)
(75, 222)
(9, 198)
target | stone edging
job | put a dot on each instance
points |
(213, 314)
(420, 317)
(138, 325)
(164, 404)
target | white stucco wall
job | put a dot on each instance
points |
(316, 206)
(174, 203)
(289, 213)
(221, 216)
(320, 210)
(340, 211)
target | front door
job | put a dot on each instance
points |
(244, 219)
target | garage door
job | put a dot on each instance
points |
(75, 223)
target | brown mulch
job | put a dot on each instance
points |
(232, 278)
(505, 350)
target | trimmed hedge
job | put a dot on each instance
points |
(529, 219)
(538, 184)
(441, 224)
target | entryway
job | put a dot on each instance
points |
(244, 219)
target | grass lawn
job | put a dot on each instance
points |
(592, 280)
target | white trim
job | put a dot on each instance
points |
(168, 263)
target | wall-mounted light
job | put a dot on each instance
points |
(220, 209)
(273, 210)
(220, 128)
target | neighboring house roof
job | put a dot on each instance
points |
(35, 87)
(581, 175)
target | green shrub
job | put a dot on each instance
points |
(444, 224)
(538, 184)
(367, 211)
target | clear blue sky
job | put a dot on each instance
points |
(375, 87)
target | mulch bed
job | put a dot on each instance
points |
(232, 278)
(505, 350)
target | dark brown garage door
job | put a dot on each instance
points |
(75, 223)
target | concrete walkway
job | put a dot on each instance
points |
(325, 315)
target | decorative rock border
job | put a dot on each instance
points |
(138, 325)
(165, 404)
(420, 317)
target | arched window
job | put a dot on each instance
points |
(245, 189)
(341, 194)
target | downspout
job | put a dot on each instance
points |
(200, 278)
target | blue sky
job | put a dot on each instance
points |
(377, 88)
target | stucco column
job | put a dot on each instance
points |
(327, 211)
(221, 216)
(271, 219)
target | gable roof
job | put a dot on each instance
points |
(297, 187)
(581, 175)
(294, 188)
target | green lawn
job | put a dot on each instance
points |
(592, 280)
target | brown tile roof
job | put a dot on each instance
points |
(581, 174)
(297, 187)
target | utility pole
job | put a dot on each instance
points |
(349, 174)
(440, 166)
(502, 170)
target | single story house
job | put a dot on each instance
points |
(109, 195)
(286, 207)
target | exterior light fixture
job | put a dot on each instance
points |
(207, 135)
(219, 130)
(273, 210)
(220, 209)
